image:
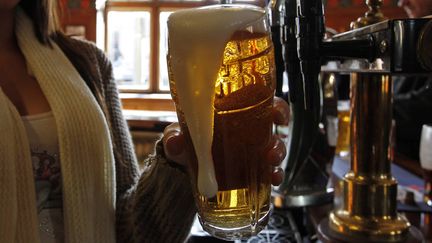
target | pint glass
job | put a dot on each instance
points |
(222, 80)
(425, 154)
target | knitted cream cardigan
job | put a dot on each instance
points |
(145, 209)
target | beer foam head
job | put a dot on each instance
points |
(197, 39)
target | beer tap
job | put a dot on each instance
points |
(298, 190)
(367, 208)
(370, 53)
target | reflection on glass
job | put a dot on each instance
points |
(128, 47)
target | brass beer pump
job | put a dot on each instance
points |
(368, 208)
(372, 52)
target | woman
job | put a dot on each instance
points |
(63, 133)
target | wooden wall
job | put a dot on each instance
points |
(79, 15)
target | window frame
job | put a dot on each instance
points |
(154, 7)
(132, 9)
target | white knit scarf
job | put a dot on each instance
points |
(86, 158)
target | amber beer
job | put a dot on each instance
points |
(243, 123)
(343, 139)
(243, 98)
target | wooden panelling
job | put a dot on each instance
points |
(79, 13)
(149, 102)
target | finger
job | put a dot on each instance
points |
(277, 152)
(281, 111)
(174, 144)
(277, 176)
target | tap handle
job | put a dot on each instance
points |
(303, 127)
(288, 37)
(309, 33)
(277, 11)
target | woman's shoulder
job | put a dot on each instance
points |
(86, 46)
(89, 60)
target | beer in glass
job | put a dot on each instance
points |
(222, 80)
(343, 139)
(425, 154)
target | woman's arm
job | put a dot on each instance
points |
(157, 205)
